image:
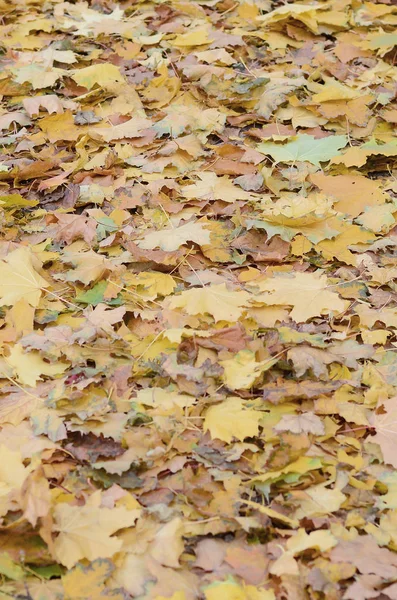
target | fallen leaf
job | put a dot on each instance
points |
(100, 74)
(305, 148)
(19, 279)
(215, 300)
(172, 239)
(28, 367)
(304, 423)
(232, 419)
(296, 289)
(384, 420)
(87, 531)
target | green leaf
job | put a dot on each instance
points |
(14, 200)
(48, 572)
(384, 40)
(9, 568)
(95, 296)
(315, 231)
(305, 148)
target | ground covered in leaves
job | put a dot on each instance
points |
(198, 300)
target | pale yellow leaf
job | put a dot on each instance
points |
(231, 590)
(242, 370)
(307, 293)
(232, 419)
(19, 279)
(172, 239)
(100, 74)
(215, 300)
(199, 37)
(86, 531)
(168, 544)
(304, 423)
(28, 367)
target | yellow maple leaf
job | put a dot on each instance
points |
(332, 90)
(354, 193)
(12, 470)
(87, 582)
(86, 531)
(160, 90)
(231, 590)
(13, 474)
(167, 400)
(241, 371)
(317, 501)
(301, 12)
(129, 129)
(28, 367)
(199, 37)
(88, 266)
(50, 102)
(211, 187)
(39, 76)
(385, 423)
(61, 127)
(35, 496)
(378, 218)
(304, 464)
(339, 247)
(168, 544)
(171, 239)
(175, 596)
(151, 284)
(310, 216)
(322, 539)
(101, 74)
(232, 419)
(307, 293)
(215, 300)
(19, 279)
(14, 408)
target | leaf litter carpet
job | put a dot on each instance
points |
(198, 301)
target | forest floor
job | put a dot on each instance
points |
(198, 300)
